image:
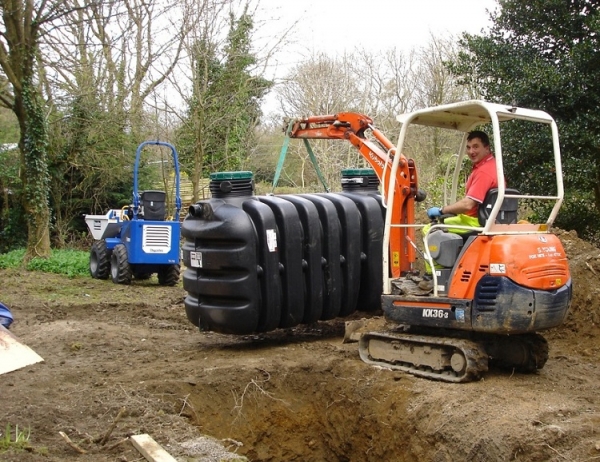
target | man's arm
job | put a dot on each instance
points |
(461, 206)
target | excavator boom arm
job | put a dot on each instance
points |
(347, 126)
(379, 152)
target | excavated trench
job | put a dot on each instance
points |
(303, 394)
(310, 397)
(305, 413)
(340, 410)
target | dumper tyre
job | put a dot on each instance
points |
(100, 260)
(120, 269)
(168, 275)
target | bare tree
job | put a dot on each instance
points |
(221, 83)
(96, 66)
(193, 85)
(435, 85)
(21, 27)
(387, 84)
(119, 52)
(320, 85)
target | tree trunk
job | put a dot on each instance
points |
(34, 170)
(21, 23)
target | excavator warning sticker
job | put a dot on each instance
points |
(545, 252)
(196, 259)
(271, 240)
(498, 268)
(376, 159)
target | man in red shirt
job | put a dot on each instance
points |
(483, 177)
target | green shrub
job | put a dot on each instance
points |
(12, 259)
(68, 262)
(12, 226)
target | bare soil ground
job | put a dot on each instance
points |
(124, 360)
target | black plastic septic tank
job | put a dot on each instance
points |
(289, 250)
(359, 180)
(220, 254)
(361, 185)
(350, 249)
(233, 187)
(312, 254)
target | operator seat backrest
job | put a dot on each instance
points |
(153, 203)
(508, 211)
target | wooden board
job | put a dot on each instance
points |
(150, 449)
(13, 353)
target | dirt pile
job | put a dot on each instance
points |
(584, 263)
(122, 360)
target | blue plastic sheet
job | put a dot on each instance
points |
(6, 317)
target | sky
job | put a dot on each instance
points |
(335, 27)
(338, 26)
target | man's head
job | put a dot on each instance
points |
(478, 146)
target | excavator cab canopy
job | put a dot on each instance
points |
(465, 117)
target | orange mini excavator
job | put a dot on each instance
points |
(494, 288)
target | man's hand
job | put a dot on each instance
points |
(434, 212)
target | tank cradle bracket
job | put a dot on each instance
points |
(438, 358)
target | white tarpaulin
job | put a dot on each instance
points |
(13, 353)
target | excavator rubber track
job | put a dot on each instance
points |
(525, 353)
(439, 358)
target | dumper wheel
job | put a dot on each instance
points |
(120, 270)
(168, 275)
(99, 260)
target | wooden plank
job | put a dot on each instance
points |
(13, 353)
(150, 449)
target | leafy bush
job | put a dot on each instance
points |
(68, 262)
(13, 226)
(12, 259)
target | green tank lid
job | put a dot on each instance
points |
(358, 172)
(221, 176)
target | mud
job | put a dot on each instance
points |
(121, 361)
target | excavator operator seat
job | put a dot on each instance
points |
(445, 247)
(508, 211)
(153, 205)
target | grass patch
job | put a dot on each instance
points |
(20, 441)
(68, 262)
